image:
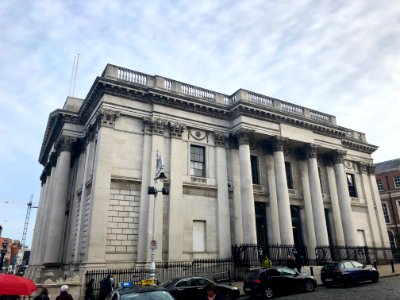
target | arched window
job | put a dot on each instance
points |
(391, 239)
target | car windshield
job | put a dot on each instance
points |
(330, 266)
(155, 295)
(252, 275)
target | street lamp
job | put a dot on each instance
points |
(152, 190)
(3, 253)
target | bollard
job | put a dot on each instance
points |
(312, 271)
(392, 264)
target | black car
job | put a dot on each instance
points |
(276, 280)
(193, 288)
(138, 292)
(348, 272)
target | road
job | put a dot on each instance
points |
(386, 288)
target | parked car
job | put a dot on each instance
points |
(347, 272)
(138, 292)
(277, 280)
(193, 288)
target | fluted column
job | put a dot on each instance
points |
(285, 220)
(344, 200)
(379, 211)
(101, 182)
(55, 237)
(308, 210)
(273, 216)
(371, 210)
(321, 232)
(175, 211)
(237, 205)
(246, 188)
(224, 226)
(337, 219)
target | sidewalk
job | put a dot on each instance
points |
(384, 271)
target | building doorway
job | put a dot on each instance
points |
(296, 226)
(261, 224)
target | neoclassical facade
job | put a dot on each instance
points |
(241, 169)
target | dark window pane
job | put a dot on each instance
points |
(254, 169)
(197, 161)
(289, 177)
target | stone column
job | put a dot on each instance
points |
(344, 200)
(55, 236)
(223, 214)
(321, 231)
(47, 205)
(273, 216)
(246, 188)
(237, 205)
(337, 219)
(285, 219)
(101, 182)
(379, 211)
(39, 219)
(308, 210)
(175, 211)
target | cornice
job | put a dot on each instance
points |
(359, 146)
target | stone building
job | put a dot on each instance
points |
(241, 169)
(388, 180)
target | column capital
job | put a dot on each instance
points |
(220, 139)
(278, 143)
(338, 156)
(154, 126)
(176, 129)
(53, 159)
(64, 143)
(89, 134)
(243, 136)
(43, 177)
(106, 117)
(312, 150)
(362, 167)
(371, 169)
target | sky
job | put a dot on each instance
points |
(337, 57)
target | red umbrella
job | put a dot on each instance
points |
(16, 285)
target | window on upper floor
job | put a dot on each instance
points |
(391, 239)
(386, 212)
(197, 161)
(254, 169)
(351, 182)
(380, 185)
(289, 177)
(396, 180)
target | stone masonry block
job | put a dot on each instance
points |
(117, 219)
(121, 237)
(110, 248)
(128, 220)
(122, 225)
(115, 243)
(120, 248)
(117, 230)
(123, 213)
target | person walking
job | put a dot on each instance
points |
(266, 263)
(299, 262)
(290, 263)
(44, 295)
(89, 290)
(64, 293)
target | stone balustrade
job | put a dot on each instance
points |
(179, 88)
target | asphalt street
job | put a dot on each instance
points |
(386, 289)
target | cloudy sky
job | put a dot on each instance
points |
(338, 57)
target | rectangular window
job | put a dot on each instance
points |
(197, 161)
(254, 169)
(352, 185)
(396, 180)
(199, 236)
(386, 212)
(289, 178)
(380, 185)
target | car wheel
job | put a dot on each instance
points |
(269, 292)
(375, 279)
(309, 286)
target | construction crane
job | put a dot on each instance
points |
(28, 214)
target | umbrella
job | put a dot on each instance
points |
(16, 285)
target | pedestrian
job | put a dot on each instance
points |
(105, 287)
(266, 263)
(299, 262)
(44, 295)
(211, 293)
(64, 293)
(290, 263)
(89, 290)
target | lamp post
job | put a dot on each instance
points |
(3, 253)
(152, 190)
